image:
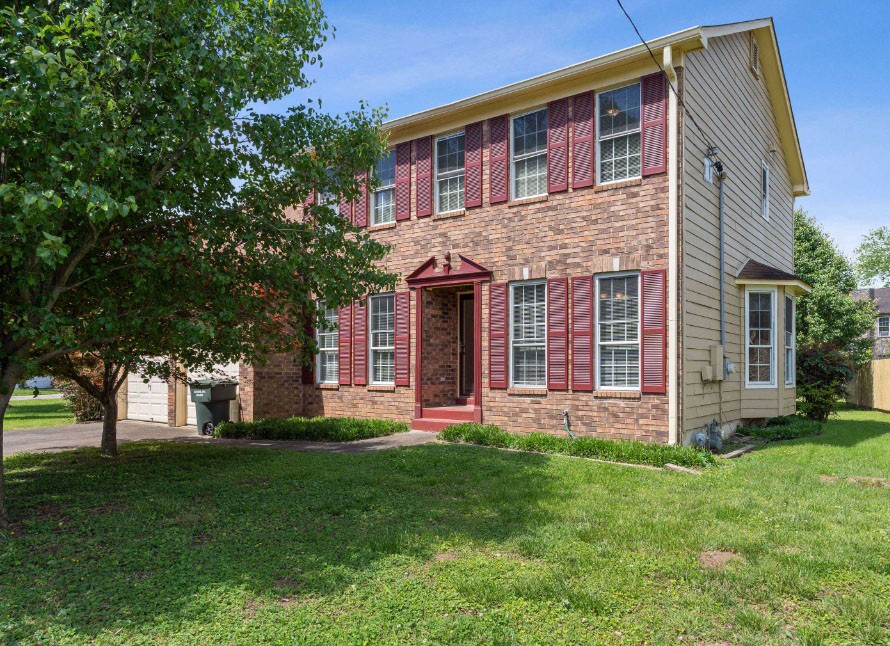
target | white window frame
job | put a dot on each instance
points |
(764, 189)
(887, 320)
(380, 189)
(596, 321)
(449, 174)
(597, 153)
(773, 292)
(372, 349)
(524, 156)
(791, 374)
(510, 362)
(335, 350)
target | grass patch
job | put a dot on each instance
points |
(653, 454)
(789, 427)
(36, 413)
(176, 543)
(321, 429)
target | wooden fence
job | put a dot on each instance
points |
(872, 386)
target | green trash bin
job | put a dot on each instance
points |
(212, 397)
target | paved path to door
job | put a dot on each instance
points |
(73, 436)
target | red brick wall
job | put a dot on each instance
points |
(271, 390)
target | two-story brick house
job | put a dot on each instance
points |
(558, 243)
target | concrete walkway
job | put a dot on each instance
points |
(21, 398)
(73, 436)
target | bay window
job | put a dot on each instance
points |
(618, 332)
(327, 361)
(383, 210)
(450, 173)
(529, 152)
(528, 334)
(618, 130)
(790, 358)
(760, 322)
(382, 330)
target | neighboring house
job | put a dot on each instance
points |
(557, 243)
(871, 388)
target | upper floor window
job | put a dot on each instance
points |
(760, 323)
(450, 173)
(618, 121)
(327, 361)
(529, 151)
(528, 330)
(383, 209)
(884, 326)
(618, 332)
(764, 190)
(383, 339)
(790, 358)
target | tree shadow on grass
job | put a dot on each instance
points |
(103, 545)
(842, 433)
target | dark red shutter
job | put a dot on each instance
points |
(309, 369)
(654, 326)
(403, 181)
(344, 345)
(557, 333)
(310, 199)
(497, 336)
(473, 165)
(402, 338)
(582, 333)
(424, 176)
(557, 146)
(499, 159)
(360, 342)
(345, 209)
(582, 140)
(653, 115)
(360, 210)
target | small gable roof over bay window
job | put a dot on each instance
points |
(758, 273)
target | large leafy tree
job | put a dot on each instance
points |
(145, 206)
(829, 314)
(873, 257)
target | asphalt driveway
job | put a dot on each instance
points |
(73, 436)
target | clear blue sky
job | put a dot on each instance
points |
(413, 55)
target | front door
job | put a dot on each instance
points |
(467, 345)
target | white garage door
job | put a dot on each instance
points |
(228, 370)
(146, 402)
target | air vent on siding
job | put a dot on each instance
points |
(754, 55)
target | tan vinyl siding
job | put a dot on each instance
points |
(733, 107)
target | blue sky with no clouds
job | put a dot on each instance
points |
(415, 55)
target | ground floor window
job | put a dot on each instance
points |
(760, 324)
(618, 332)
(884, 326)
(790, 359)
(528, 330)
(328, 360)
(382, 325)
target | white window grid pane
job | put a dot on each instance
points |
(382, 326)
(450, 173)
(450, 194)
(328, 347)
(619, 111)
(789, 341)
(620, 158)
(384, 210)
(618, 322)
(884, 326)
(529, 150)
(619, 134)
(760, 337)
(528, 334)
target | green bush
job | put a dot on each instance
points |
(789, 427)
(633, 452)
(85, 407)
(321, 429)
(822, 375)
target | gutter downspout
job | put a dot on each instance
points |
(721, 176)
(673, 269)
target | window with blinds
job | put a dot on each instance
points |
(326, 336)
(618, 127)
(529, 152)
(383, 210)
(450, 173)
(884, 326)
(618, 332)
(382, 320)
(528, 334)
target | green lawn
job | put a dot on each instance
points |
(178, 543)
(31, 413)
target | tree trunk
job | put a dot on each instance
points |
(109, 426)
(7, 387)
